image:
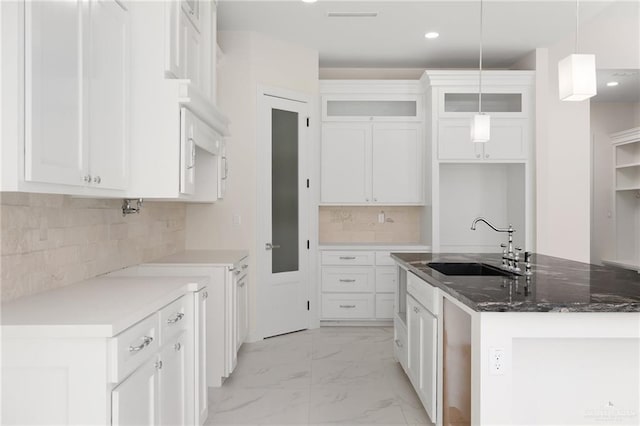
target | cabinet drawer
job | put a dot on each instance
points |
(347, 279)
(386, 279)
(174, 318)
(356, 258)
(133, 347)
(423, 292)
(384, 306)
(347, 306)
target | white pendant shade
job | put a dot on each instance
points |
(480, 128)
(577, 77)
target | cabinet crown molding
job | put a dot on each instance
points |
(471, 77)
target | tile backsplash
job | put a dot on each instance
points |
(360, 225)
(50, 241)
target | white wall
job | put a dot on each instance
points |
(606, 118)
(563, 154)
(250, 60)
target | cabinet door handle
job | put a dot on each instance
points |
(97, 179)
(241, 284)
(205, 295)
(347, 257)
(347, 281)
(347, 306)
(237, 272)
(159, 365)
(193, 154)
(177, 347)
(398, 344)
(87, 178)
(416, 310)
(226, 168)
(477, 155)
(175, 319)
(245, 266)
(486, 156)
(146, 341)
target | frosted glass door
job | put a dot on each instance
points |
(284, 190)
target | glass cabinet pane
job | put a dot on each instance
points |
(284, 191)
(491, 102)
(372, 108)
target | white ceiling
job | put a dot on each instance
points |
(628, 89)
(396, 37)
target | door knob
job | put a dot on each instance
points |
(269, 246)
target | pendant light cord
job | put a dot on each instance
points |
(577, 22)
(480, 86)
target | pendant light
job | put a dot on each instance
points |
(481, 123)
(577, 73)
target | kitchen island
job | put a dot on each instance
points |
(559, 347)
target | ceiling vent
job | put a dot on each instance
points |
(352, 14)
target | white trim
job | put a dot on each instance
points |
(625, 136)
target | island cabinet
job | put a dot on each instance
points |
(555, 348)
(107, 351)
(372, 143)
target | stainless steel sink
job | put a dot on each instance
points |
(470, 269)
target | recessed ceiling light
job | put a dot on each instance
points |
(612, 83)
(352, 14)
(432, 35)
(309, 1)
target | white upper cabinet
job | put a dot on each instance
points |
(76, 99)
(345, 163)
(108, 95)
(508, 140)
(372, 143)
(397, 163)
(371, 163)
(54, 92)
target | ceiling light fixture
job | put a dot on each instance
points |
(612, 83)
(432, 35)
(481, 123)
(577, 72)
(309, 1)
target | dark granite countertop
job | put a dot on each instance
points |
(557, 285)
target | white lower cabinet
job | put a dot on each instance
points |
(242, 310)
(358, 284)
(135, 400)
(201, 398)
(173, 395)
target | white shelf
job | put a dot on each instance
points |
(629, 188)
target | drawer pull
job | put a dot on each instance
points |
(347, 306)
(159, 365)
(177, 346)
(398, 344)
(347, 257)
(348, 281)
(416, 310)
(177, 318)
(145, 342)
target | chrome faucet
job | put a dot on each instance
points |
(510, 257)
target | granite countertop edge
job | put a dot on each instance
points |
(630, 306)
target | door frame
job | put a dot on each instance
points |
(307, 226)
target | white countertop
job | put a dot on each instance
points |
(203, 257)
(99, 307)
(376, 246)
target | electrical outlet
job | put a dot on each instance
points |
(381, 217)
(236, 219)
(496, 361)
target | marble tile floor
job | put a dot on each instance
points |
(332, 375)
